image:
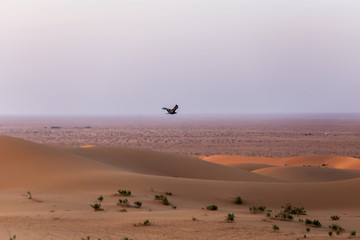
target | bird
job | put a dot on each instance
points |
(171, 111)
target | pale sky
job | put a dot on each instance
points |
(120, 57)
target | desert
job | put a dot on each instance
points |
(50, 178)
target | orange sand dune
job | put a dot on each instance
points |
(339, 162)
(166, 164)
(308, 174)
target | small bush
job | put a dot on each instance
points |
(147, 223)
(124, 202)
(352, 233)
(284, 216)
(335, 218)
(195, 219)
(14, 237)
(288, 208)
(307, 229)
(314, 223)
(257, 209)
(100, 198)
(29, 195)
(165, 201)
(238, 200)
(124, 192)
(159, 197)
(330, 233)
(230, 217)
(169, 193)
(212, 207)
(338, 230)
(275, 227)
(97, 207)
(174, 207)
(138, 204)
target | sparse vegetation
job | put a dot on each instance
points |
(307, 229)
(138, 204)
(195, 219)
(230, 217)
(169, 193)
(29, 195)
(212, 207)
(335, 217)
(164, 199)
(257, 209)
(14, 237)
(338, 230)
(100, 198)
(124, 202)
(147, 223)
(97, 207)
(284, 216)
(330, 233)
(238, 200)
(174, 207)
(314, 223)
(352, 233)
(268, 213)
(288, 208)
(275, 227)
(88, 238)
(124, 192)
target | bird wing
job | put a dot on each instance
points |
(174, 109)
(167, 109)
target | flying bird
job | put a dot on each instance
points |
(171, 111)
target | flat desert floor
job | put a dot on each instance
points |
(53, 169)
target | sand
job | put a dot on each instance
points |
(64, 180)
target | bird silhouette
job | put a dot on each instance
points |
(171, 111)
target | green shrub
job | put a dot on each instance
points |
(100, 198)
(138, 204)
(194, 219)
(288, 208)
(169, 193)
(284, 216)
(307, 229)
(14, 237)
(147, 223)
(212, 207)
(335, 218)
(159, 197)
(174, 207)
(97, 207)
(315, 223)
(124, 192)
(352, 233)
(275, 227)
(338, 230)
(238, 200)
(124, 202)
(165, 201)
(257, 209)
(230, 217)
(330, 233)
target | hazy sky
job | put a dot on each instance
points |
(208, 56)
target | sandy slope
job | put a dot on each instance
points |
(64, 182)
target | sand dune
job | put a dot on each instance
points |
(339, 162)
(308, 174)
(65, 182)
(166, 164)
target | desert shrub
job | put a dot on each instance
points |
(352, 233)
(147, 223)
(314, 223)
(307, 229)
(124, 192)
(169, 193)
(29, 195)
(335, 217)
(300, 220)
(338, 230)
(275, 227)
(97, 207)
(100, 198)
(238, 200)
(174, 207)
(330, 233)
(138, 204)
(159, 197)
(88, 238)
(284, 216)
(288, 208)
(257, 209)
(124, 202)
(230, 217)
(195, 219)
(165, 201)
(126, 238)
(268, 213)
(14, 237)
(212, 207)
